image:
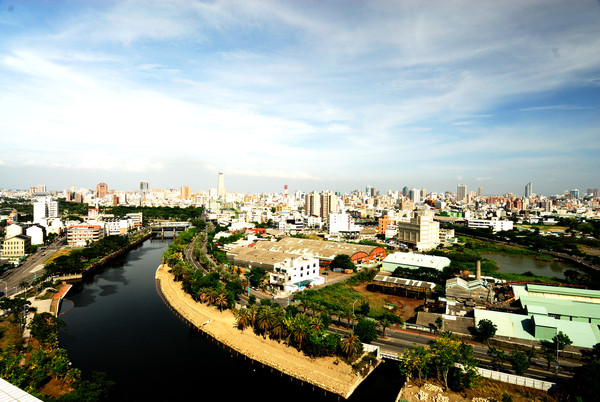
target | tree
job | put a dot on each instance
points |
(498, 357)
(439, 322)
(44, 327)
(364, 309)
(342, 261)
(415, 359)
(519, 362)
(445, 353)
(384, 323)
(561, 340)
(366, 330)
(350, 346)
(486, 329)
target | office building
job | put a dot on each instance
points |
(143, 189)
(528, 190)
(221, 192)
(101, 190)
(461, 192)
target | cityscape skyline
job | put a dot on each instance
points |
(318, 96)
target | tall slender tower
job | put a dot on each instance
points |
(221, 186)
(528, 190)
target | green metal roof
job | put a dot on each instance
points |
(559, 290)
(522, 327)
(567, 308)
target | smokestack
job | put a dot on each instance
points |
(478, 270)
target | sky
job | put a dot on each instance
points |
(317, 95)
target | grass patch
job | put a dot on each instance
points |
(10, 333)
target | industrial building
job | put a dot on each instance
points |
(413, 261)
(325, 251)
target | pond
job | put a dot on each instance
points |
(519, 264)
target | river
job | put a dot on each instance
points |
(118, 324)
(519, 264)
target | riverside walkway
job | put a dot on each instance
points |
(327, 373)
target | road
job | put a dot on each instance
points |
(398, 339)
(31, 267)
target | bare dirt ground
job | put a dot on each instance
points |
(486, 391)
(405, 306)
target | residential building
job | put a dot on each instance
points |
(37, 233)
(81, 235)
(295, 273)
(16, 247)
(495, 224)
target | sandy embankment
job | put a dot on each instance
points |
(321, 372)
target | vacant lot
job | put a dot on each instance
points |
(405, 307)
(485, 389)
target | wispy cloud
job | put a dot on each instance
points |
(321, 91)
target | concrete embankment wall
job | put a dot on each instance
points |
(336, 379)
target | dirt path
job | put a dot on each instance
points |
(321, 372)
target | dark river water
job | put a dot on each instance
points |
(118, 324)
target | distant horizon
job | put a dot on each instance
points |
(291, 190)
(317, 95)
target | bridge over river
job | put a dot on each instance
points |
(166, 230)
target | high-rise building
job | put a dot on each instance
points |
(328, 205)
(405, 191)
(143, 189)
(312, 204)
(461, 192)
(479, 191)
(186, 192)
(414, 195)
(528, 190)
(101, 190)
(221, 193)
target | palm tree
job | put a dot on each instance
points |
(349, 345)
(221, 301)
(264, 319)
(384, 323)
(243, 318)
(24, 285)
(297, 329)
(279, 329)
(203, 295)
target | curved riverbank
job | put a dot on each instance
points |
(337, 379)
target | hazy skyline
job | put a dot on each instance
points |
(316, 95)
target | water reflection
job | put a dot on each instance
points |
(519, 264)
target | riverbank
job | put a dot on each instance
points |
(322, 372)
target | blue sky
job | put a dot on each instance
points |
(317, 95)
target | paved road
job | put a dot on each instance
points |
(33, 266)
(396, 340)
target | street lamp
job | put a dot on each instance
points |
(353, 314)
(5, 288)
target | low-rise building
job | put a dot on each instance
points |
(296, 273)
(495, 224)
(326, 251)
(16, 247)
(477, 289)
(413, 261)
(81, 235)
